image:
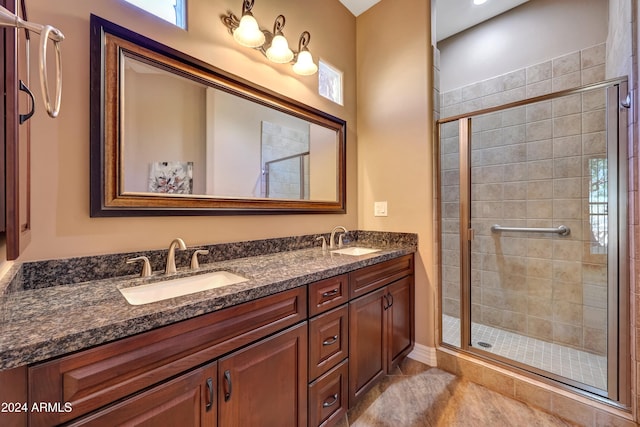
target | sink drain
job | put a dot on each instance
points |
(484, 344)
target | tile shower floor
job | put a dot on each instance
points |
(578, 365)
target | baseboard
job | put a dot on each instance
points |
(424, 354)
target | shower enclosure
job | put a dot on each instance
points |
(533, 231)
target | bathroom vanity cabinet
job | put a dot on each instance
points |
(299, 357)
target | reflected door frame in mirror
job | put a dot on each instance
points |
(110, 45)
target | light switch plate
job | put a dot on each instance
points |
(380, 208)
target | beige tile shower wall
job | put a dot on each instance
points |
(530, 167)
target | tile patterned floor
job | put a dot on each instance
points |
(419, 396)
(578, 365)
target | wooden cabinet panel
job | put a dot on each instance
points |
(401, 328)
(13, 391)
(328, 396)
(328, 294)
(16, 152)
(265, 384)
(94, 378)
(367, 343)
(328, 340)
(378, 275)
(188, 400)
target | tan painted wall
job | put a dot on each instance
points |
(394, 135)
(61, 223)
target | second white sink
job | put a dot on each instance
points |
(152, 292)
(355, 251)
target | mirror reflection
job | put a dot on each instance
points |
(183, 137)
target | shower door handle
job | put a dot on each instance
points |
(562, 230)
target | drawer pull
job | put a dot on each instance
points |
(330, 293)
(330, 341)
(228, 385)
(210, 395)
(333, 401)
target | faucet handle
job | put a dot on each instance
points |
(340, 243)
(146, 266)
(324, 243)
(194, 258)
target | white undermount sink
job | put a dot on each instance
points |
(355, 251)
(158, 291)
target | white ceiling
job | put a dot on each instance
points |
(452, 16)
(358, 6)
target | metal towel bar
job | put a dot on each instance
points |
(8, 19)
(562, 230)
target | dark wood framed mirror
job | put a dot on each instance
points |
(172, 135)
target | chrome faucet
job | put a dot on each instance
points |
(171, 256)
(332, 239)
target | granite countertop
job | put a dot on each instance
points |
(41, 323)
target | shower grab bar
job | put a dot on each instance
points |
(9, 19)
(562, 230)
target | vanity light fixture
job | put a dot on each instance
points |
(274, 45)
(279, 51)
(248, 32)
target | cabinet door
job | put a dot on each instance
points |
(265, 384)
(367, 342)
(16, 153)
(187, 400)
(400, 320)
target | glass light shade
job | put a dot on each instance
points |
(248, 33)
(304, 65)
(279, 51)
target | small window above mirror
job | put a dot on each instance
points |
(330, 82)
(173, 11)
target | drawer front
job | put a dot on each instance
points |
(328, 396)
(328, 294)
(328, 340)
(376, 276)
(187, 400)
(93, 378)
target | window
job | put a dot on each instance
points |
(330, 82)
(173, 11)
(598, 203)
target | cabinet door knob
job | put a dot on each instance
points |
(330, 341)
(210, 394)
(228, 385)
(390, 299)
(331, 401)
(385, 304)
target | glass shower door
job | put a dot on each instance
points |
(538, 248)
